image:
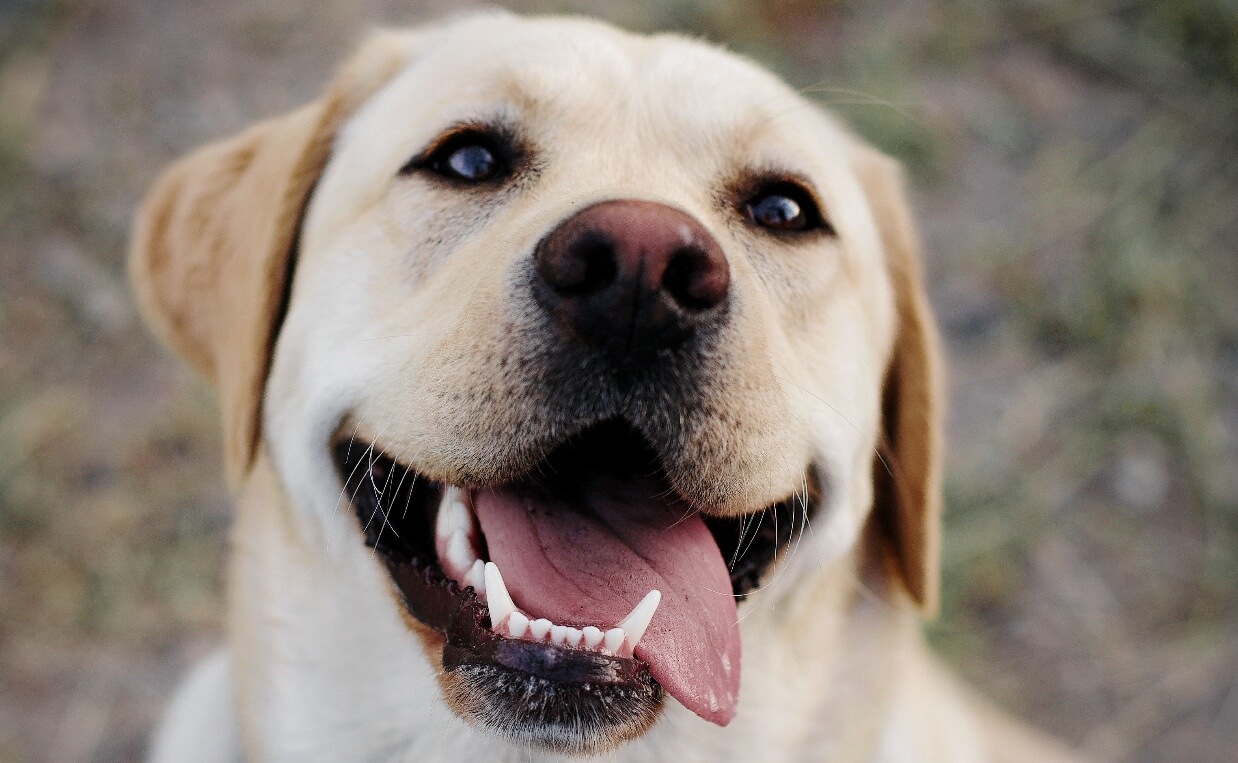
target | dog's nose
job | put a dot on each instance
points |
(630, 276)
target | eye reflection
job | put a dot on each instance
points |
(471, 162)
(778, 212)
(784, 206)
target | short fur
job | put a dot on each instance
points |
(316, 288)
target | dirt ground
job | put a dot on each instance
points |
(1075, 174)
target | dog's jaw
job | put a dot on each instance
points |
(542, 686)
(325, 651)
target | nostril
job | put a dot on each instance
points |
(583, 268)
(596, 263)
(694, 280)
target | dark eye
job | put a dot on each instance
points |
(784, 207)
(470, 156)
(472, 162)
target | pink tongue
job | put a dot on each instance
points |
(589, 565)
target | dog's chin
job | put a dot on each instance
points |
(536, 695)
(576, 688)
(561, 714)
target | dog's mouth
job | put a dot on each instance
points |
(571, 598)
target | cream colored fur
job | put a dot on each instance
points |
(400, 299)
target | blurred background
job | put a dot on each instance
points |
(1075, 175)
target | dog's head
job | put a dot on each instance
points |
(570, 316)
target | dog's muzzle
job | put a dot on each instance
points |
(576, 591)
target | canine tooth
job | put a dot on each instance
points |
(558, 634)
(476, 577)
(613, 639)
(574, 636)
(517, 624)
(453, 513)
(497, 598)
(540, 627)
(638, 619)
(460, 551)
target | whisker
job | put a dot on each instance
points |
(739, 554)
(692, 510)
(368, 457)
(743, 529)
(876, 450)
(379, 504)
(388, 336)
(340, 500)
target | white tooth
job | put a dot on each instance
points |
(558, 634)
(497, 598)
(574, 635)
(453, 513)
(593, 636)
(460, 552)
(476, 577)
(638, 619)
(614, 639)
(517, 624)
(540, 627)
(443, 523)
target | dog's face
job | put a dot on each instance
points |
(586, 328)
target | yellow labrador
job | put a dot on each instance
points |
(581, 396)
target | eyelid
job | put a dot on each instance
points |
(764, 183)
(496, 137)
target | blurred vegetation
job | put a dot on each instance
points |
(1074, 168)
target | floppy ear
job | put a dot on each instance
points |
(214, 240)
(907, 476)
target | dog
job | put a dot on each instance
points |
(581, 396)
